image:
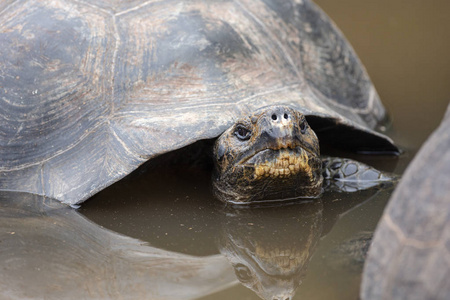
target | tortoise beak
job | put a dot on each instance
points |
(283, 128)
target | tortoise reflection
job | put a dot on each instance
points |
(50, 251)
(270, 247)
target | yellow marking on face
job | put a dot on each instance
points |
(284, 166)
(286, 259)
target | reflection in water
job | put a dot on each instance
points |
(50, 251)
(270, 247)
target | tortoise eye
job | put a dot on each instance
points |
(303, 126)
(242, 133)
(243, 273)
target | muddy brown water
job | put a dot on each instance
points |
(160, 234)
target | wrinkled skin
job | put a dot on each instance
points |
(274, 155)
(269, 155)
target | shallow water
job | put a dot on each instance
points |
(174, 210)
(159, 234)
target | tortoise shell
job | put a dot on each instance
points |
(90, 90)
(409, 256)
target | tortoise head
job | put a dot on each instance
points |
(270, 155)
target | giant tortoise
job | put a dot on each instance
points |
(90, 90)
(410, 254)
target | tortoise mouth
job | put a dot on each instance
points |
(282, 261)
(271, 175)
(280, 163)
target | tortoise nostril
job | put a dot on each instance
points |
(274, 117)
(286, 116)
